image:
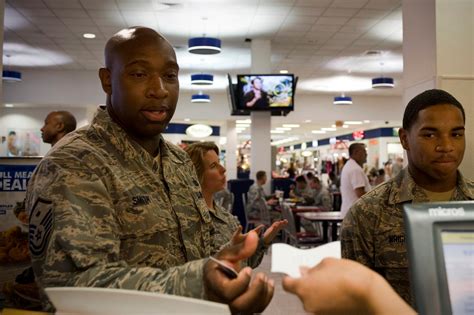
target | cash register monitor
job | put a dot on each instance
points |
(440, 243)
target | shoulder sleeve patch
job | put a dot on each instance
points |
(41, 225)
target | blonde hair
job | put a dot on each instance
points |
(196, 152)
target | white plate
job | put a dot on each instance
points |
(81, 301)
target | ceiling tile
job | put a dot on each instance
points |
(71, 13)
(307, 11)
(336, 12)
(332, 20)
(313, 3)
(370, 13)
(296, 27)
(354, 4)
(27, 4)
(77, 21)
(383, 4)
(99, 5)
(61, 4)
(36, 12)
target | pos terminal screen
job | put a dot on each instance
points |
(458, 250)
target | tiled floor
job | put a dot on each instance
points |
(283, 303)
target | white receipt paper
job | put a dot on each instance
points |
(288, 259)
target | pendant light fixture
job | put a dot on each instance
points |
(200, 98)
(10, 75)
(382, 82)
(204, 45)
(202, 79)
(342, 100)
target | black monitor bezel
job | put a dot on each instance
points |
(424, 243)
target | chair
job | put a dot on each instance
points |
(295, 238)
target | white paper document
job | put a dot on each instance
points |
(288, 259)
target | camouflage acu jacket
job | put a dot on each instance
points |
(105, 213)
(373, 231)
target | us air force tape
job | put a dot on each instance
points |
(41, 225)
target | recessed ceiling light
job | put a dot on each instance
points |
(283, 128)
(366, 121)
(88, 35)
(318, 131)
(9, 105)
(329, 129)
(333, 126)
(243, 121)
(187, 119)
(307, 121)
(345, 126)
(355, 122)
(277, 131)
(283, 71)
(291, 125)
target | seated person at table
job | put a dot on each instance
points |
(225, 199)
(301, 189)
(114, 205)
(320, 196)
(257, 200)
(211, 175)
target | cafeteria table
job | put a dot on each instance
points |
(327, 217)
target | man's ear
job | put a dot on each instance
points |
(60, 126)
(105, 80)
(403, 135)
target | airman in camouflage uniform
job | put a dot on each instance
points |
(115, 205)
(373, 230)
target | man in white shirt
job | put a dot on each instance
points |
(354, 182)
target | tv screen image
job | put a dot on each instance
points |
(265, 91)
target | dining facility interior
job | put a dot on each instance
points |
(335, 48)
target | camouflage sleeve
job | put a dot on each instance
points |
(357, 242)
(252, 195)
(74, 239)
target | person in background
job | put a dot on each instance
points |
(354, 182)
(225, 199)
(309, 176)
(320, 196)
(117, 206)
(341, 286)
(13, 148)
(387, 167)
(56, 125)
(256, 197)
(397, 166)
(301, 190)
(256, 97)
(291, 170)
(433, 136)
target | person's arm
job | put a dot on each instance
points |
(81, 247)
(357, 234)
(340, 286)
(360, 191)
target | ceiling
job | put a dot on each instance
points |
(326, 43)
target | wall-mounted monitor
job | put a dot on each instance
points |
(267, 92)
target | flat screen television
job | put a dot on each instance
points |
(440, 243)
(266, 92)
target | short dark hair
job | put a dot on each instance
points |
(300, 179)
(309, 175)
(353, 147)
(256, 78)
(260, 175)
(316, 180)
(68, 120)
(427, 99)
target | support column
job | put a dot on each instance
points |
(2, 18)
(261, 121)
(230, 149)
(438, 46)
